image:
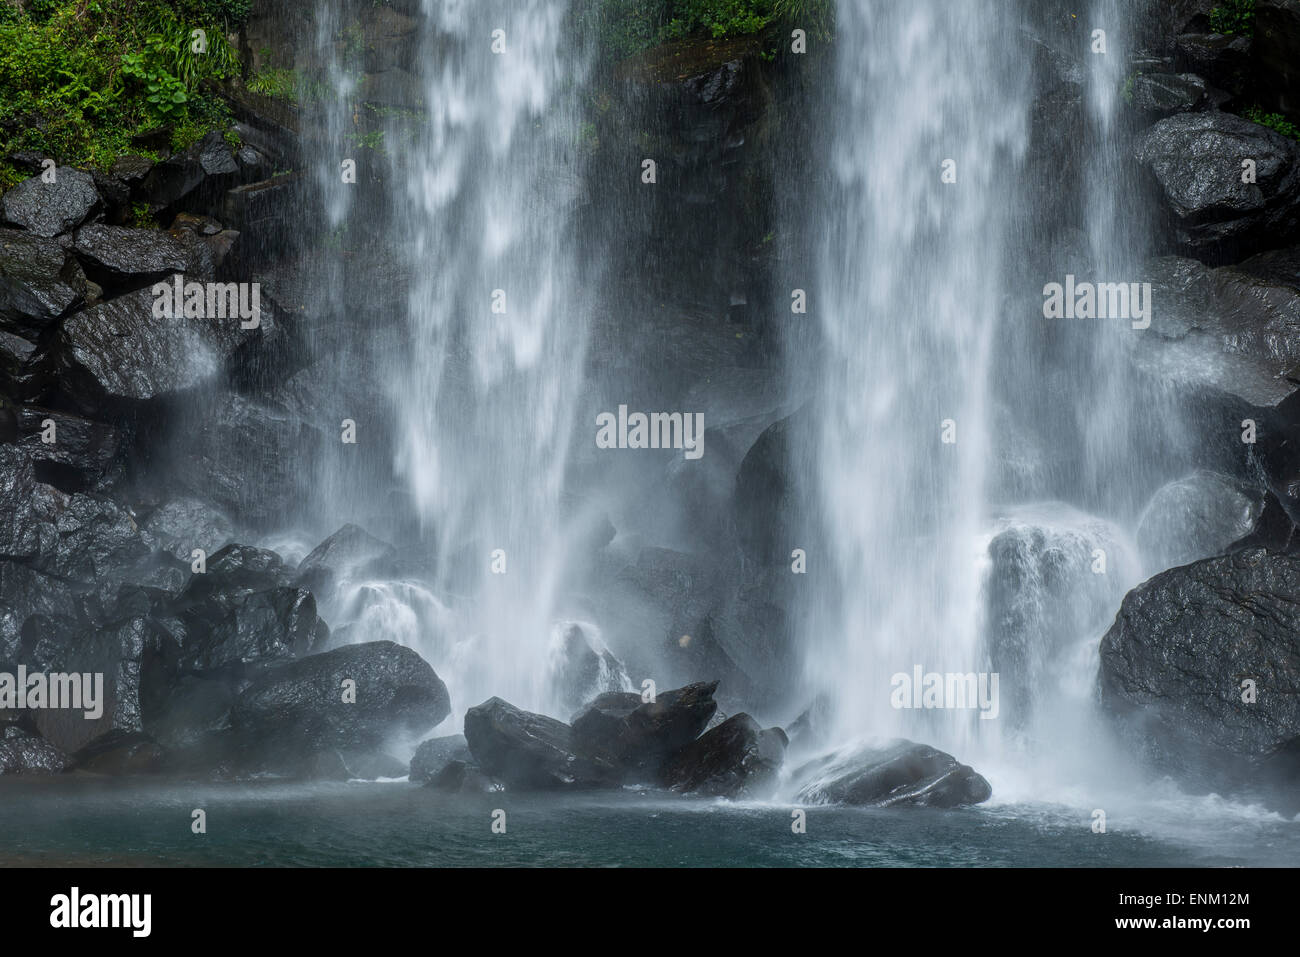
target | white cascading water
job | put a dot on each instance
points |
(909, 291)
(482, 385)
(498, 314)
(937, 560)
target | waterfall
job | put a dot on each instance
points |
(481, 377)
(929, 128)
(977, 470)
(484, 391)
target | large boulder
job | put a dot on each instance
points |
(620, 730)
(348, 552)
(763, 504)
(1278, 456)
(49, 209)
(243, 611)
(128, 255)
(1043, 596)
(1196, 161)
(1174, 668)
(736, 759)
(39, 281)
(893, 774)
(183, 524)
(303, 707)
(531, 751)
(121, 350)
(130, 655)
(194, 178)
(216, 450)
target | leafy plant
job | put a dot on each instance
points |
(80, 78)
(1234, 18)
(1274, 121)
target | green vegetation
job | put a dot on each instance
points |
(628, 27)
(1234, 18)
(1274, 121)
(80, 78)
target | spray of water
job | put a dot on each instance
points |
(930, 115)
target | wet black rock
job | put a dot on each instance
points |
(1195, 517)
(192, 716)
(121, 753)
(183, 524)
(80, 453)
(49, 209)
(529, 750)
(737, 759)
(131, 169)
(39, 281)
(120, 350)
(764, 496)
(22, 752)
(898, 773)
(130, 654)
(242, 611)
(300, 707)
(1231, 332)
(1176, 663)
(1278, 455)
(1196, 162)
(1163, 94)
(350, 550)
(580, 671)
(194, 178)
(215, 453)
(1223, 60)
(620, 730)
(464, 777)
(116, 254)
(432, 756)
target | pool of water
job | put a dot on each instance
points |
(108, 822)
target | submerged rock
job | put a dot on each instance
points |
(734, 760)
(897, 773)
(1174, 668)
